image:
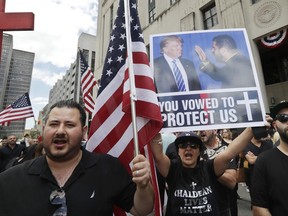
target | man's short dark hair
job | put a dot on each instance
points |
(70, 104)
(225, 41)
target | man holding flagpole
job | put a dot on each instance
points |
(68, 180)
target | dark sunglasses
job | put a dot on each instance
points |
(282, 117)
(57, 197)
(186, 144)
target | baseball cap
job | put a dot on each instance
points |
(188, 136)
(278, 107)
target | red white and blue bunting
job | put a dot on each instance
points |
(275, 39)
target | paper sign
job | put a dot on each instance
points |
(206, 80)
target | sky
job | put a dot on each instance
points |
(57, 27)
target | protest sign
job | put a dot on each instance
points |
(206, 80)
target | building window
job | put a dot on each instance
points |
(111, 18)
(274, 64)
(93, 61)
(85, 54)
(210, 16)
(151, 9)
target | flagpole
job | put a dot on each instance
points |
(133, 96)
(78, 76)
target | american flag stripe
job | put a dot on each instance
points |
(88, 81)
(89, 101)
(114, 102)
(112, 94)
(15, 115)
(20, 109)
(105, 115)
(111, 129)
(127, 137)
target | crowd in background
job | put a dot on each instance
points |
(210, 143)
(14, 151)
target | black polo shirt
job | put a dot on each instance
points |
(97, 183)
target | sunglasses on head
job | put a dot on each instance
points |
(57, 197)
(186, 144)
(282, 117)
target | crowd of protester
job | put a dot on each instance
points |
(190, 162)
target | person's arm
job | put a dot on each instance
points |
(259, 211)
(206, 65)
(144, 195)
(222, 160)
(228, 178)
(201, 54)
(162, 161)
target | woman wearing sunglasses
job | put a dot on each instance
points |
(191, 180)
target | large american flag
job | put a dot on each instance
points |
(20, 109)
(111, 127)
(88, 81)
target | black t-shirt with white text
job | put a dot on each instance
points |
(191, 189)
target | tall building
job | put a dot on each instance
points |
(65, 88)
(264, 20)
(7, 49)
(69, 87)
(15, 80)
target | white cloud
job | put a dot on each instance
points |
(39, 101)
(46, 76)
(57, 27)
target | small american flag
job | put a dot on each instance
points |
(111, 127)
(20, 109)
(88, 81)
